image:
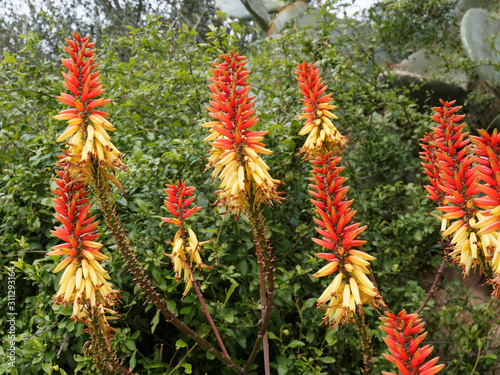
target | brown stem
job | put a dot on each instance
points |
(202, 301)
(113, 221)
(267, 369)
(266, 268)
(365, 341)
(433, 287)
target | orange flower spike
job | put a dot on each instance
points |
(453, 178)
(87, 128)
(323, 135)
(403, 344)
(84, 279)
(184, 250)
(177, 201)
(236, 150)
(350, 287)
(487, 157)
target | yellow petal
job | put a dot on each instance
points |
(70, 130)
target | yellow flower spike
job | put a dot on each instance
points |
(85, 89)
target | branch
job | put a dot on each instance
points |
(433, 287)
(120, 237)
(266, 268)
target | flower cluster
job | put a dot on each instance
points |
(448, 149)
(486, 155)
(84, 281)
(351, 286)
(235, 154)
(87, 126)
(184, 251)
(405, 332)
(323, 135)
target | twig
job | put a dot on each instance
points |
(108, 207)
(62, 345)
(183, 359)
(433, 287)
(267, 369)
(205, 309)
(39, 333)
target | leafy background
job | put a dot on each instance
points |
(155, 69)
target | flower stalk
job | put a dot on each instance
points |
(245, 182)
(177, 202)
(102, 191)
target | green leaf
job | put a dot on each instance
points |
(295, 343)
(155, 321)
(180, 344)
(229, 292)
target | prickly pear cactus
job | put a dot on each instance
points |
(464, 5)
(480, 34)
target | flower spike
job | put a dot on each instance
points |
(87, 127)
(487, 158)
(84, 281)
(323, 135)
(351, 287)
(236, 150)
(405, 332)
(453, 179)
(185, 251)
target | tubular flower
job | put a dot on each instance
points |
(486, 156)
(448, 149)
(351, 286)
(405, 332)
(84, 281)
(323, 135)
(184, 256)
(235, 154)
(184, 251)
(87, 127)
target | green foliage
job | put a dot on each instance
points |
(157, 77)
